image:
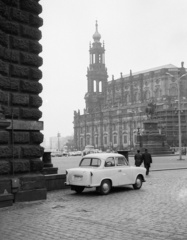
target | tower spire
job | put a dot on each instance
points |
(97, 35)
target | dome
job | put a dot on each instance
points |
(97, 35)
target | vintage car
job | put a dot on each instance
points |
(104, 171)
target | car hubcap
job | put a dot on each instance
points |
(105, 187)
(138, 182)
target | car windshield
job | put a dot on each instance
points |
(90, 162)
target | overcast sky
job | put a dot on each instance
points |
(138, 35)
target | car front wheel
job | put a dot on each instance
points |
(138, 183)
(78, 189)
(105, 187)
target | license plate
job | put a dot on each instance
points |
(78, 178)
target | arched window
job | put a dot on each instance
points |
(127, 98)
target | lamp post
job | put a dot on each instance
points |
(179, 110)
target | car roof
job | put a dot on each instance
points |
(103, 155)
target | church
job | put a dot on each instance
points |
(115, 110)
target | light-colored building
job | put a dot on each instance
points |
(115, 109)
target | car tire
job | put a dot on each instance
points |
(78, 189)
(105, 187)
(138, 183)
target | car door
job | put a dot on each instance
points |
(110, 170)
(124, 171)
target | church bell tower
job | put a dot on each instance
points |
(96, 75)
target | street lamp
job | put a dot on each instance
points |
(179, 110)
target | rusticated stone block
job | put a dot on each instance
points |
(19, 43)
(8, 112)
(5, 152)
(5, 167)
(10, 55)
(3, 97)
(31, 59)
(8, 26)
(36, 137)
(12, 3)
(3, 68)
(20, 16)
(9, 84)
(3, 39)
(31, 33)
(35, 47)
(21, 137)
(32, 114)
(19, 71)
(4, 137)
(36, 21)
(20, 165)
(35, 101)
(35, 74)
(31, 6)
(32, 151)
(4, 10)
(36, 165)
(20, 99)
(31, 87)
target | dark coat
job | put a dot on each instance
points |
(138, 159)
(147, 159)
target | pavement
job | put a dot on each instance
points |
(155, 212)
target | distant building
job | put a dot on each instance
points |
(115, 109)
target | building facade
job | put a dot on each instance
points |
(115, 109)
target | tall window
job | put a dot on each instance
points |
(115, 139)
(125, 139)
(100, 86)
(95, 85)
(81, 142)
(96, 140)
(105, 140)
(147, 95)
(88, 140)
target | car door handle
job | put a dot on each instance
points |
(119, 170)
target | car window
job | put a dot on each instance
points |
(121, 161)
(87, 162)
(110, 162)
(95, 162)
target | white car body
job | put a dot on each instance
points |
(94, 169)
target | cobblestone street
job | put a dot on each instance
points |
(157, 211)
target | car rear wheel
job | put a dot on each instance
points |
(78, 189)
(105, 187)
(138, 183)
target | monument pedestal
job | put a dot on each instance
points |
(152, 140)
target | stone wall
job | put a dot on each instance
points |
(20, 150)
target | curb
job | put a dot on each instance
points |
(167, 169)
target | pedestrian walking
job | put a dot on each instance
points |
(138, 158)
(147, 159)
